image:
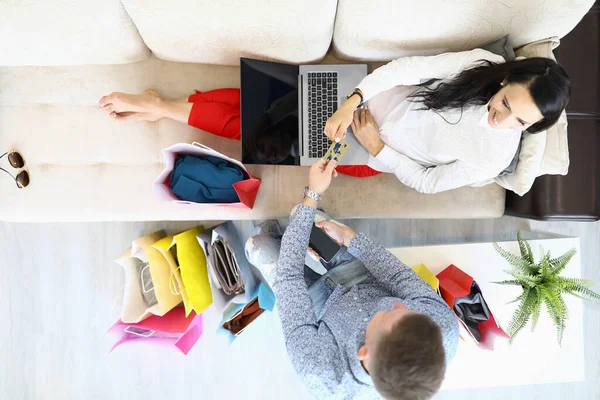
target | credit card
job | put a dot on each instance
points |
(336, 151)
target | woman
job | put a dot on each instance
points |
(462, 127)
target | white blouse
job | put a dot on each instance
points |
(430, 151)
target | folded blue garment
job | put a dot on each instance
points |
(205, 179)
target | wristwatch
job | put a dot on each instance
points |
(356, 91)
(311, 193)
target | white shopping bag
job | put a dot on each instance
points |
(246, 189)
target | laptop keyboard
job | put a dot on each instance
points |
(322, 103)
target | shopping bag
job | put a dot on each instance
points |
(188, 275)
(237, 317)
(249, 275)
(172, 329)
(256, 290)
(246, 189)
(428, 276)
(464, 296)
(142, 295)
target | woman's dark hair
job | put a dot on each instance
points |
(547, 81)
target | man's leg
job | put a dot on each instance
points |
(262, 249)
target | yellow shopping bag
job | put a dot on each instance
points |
(188, 271)
(146, 276)
(161, 272)
(428, 276)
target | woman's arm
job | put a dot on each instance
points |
(410, 71)
(403, 71)
(423, 179)
(429, 179)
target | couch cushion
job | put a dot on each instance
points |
(68, 32)
(386, 29)
(84, 166)
(556, 154)
(220, 32)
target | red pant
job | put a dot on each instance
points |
(218, 112)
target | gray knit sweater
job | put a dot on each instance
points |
(324, 350)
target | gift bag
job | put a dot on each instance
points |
(246, 189)
(143, 294)
(252, 295)
(428, 276)
(172, 329)
(237, 317)
(465, 298)
(188, 275)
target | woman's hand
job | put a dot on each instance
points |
(366, 131)
(341, 234)
(319, 177)
(336, 125)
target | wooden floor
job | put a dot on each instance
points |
(60, 293)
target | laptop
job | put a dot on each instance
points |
(284, 109)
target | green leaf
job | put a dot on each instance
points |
(509, 282)
(558, 312)
(517, 299)
(514, 260)
(563, 280)
(572, 293)
(525, 249)
(526, 279)
(544, 263)
(523, 313)
(537, 309)
(558, 264)
(583, 291)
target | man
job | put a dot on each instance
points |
(370, 326)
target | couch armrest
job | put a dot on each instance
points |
(575, 196)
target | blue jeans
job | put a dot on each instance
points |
(347, 274)
(262, 251)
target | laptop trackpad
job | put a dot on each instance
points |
(356, 154)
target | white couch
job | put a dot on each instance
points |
(59, 58)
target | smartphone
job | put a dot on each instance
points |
(323, 244)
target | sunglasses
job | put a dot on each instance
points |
(16, 161)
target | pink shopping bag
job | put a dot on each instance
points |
(172, 329)
(246, 189)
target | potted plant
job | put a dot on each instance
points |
(542, 285)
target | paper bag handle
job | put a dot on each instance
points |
(174, 284)
(142, 280)
(202, 146)
(128, 330)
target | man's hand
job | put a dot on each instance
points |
(341, 234)
(319, 177)
(366, 131)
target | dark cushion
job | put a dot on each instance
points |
(573, 196)
(579, 53)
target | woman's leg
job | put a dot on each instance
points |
(146, 106)
(226, 96)
(215, 111)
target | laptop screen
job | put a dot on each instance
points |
(269, 108)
